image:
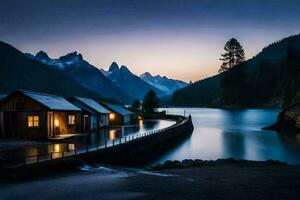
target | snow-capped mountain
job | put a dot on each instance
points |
(129, 82)
(84, 73)
(164, 84)
(70, 60)
(113, 67)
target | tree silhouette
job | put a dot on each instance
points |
(150, 102)
(234, 55)
(136, 105)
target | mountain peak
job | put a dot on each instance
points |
(146, 74)
(124, 68)
(42, 55)
(71, 56)
(113, 67)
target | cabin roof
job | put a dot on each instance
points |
(118, 109)
(93, 104)
(53, 102)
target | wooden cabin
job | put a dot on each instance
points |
(119, 115)
(32, 115)
(93, 116)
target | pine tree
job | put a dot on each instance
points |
(234, 55)
(136, 105)
(150, 102)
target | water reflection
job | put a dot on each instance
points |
(233, 145)
(221, 133)
(82, 141)
(112, 134)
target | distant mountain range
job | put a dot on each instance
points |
(168, 86)
(272, 79)
(44, 74)
(17, 71)
(84, 73)
(127, 81)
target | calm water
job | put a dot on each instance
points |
(88, 139)
(234, 133)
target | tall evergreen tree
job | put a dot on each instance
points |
(150, 102)
(136, 105)
(234, 55)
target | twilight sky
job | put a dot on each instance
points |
(182, 39)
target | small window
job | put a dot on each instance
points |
(33, 121)
(71, 120)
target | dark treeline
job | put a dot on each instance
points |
(269, 79)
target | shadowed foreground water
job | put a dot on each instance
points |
(222, 133)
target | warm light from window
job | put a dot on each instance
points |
(112, 116)
(71, 120)
(36, 121)
(56, 123)
(71, 147)
(30, 121)
(33, 121)
(56, 148)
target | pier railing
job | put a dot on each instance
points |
(76, 151)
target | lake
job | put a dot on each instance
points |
(220, 133)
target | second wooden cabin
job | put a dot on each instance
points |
(94, 116)
(119, 115)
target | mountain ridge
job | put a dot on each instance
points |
(128, 81)
(163, 83)
(84, 73)
(17, 71)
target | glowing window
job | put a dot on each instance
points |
(33, 121)
(71, 120)
(112, 116)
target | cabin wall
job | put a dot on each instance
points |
(118, 120)
(64, 127)
(104, 120)
(93, 122)
(127, 119)
(16, 125)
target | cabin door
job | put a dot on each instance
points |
(50, 124)
(85, 123)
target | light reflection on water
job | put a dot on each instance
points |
(222, 133)
(88, 139)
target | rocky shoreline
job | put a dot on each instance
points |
(189, 163)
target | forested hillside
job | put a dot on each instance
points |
(271, 78)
